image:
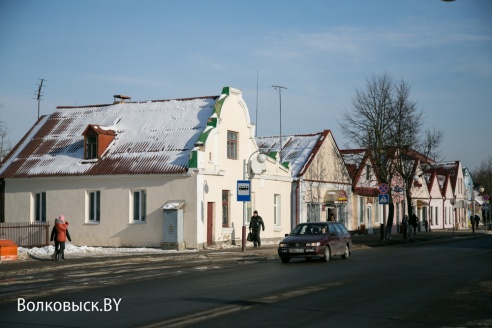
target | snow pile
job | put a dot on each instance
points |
(73, 251)
(89, 251)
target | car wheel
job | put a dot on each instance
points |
(285, 259)
(326, 255)
(346, 254)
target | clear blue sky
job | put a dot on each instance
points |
(321, 50)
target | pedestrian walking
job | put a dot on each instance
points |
(472, 221)
(415, 223)
(426, 225)
(477, 220)
(255, 226)
(405, 226)
(60, 235)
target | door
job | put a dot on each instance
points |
(210, 222)
(334, 240)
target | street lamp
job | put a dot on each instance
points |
(279, 88)
(261, 158)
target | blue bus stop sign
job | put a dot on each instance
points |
(243, 191)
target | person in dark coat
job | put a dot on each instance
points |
(477, 221)
(60, 234)
(254, 226)
(405, 226)
(414, 221)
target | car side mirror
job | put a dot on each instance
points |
(286, 235)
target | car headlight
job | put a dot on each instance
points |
(282, 245)
(312, 244)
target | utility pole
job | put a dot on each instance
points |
(256, 116)
(279, 88)
(39, 94)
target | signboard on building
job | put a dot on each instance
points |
(342, 196)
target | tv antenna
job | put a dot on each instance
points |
(39, 94)
(279, 88)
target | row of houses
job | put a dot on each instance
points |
(153, 173)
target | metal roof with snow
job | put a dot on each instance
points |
(154, 137)
(296, 149)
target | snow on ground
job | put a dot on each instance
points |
(74, 251)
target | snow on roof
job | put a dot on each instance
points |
(154, 137)
(296, 149)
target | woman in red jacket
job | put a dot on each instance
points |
(60, 234)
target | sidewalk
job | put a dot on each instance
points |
(267, 250)
(374, 240)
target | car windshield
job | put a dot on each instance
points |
(310, 229)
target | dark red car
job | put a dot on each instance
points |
(316, 240)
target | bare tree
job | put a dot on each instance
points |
(387, 123)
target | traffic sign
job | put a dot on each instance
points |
(243, 191)
(383, 188)
(485, 206)
(383, 199)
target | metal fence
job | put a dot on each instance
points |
(26, 234)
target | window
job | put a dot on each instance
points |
(40, 206)
(313, 212)
(276, 210)
(225, 208)
(231, 145)
(369, 215)
(90, 146)
(139, 205)
(361, 210)
(94, 206)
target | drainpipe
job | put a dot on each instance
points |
(297, 203)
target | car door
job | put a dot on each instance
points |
(334, 241)
(342, 237)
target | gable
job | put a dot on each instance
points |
(154, 137)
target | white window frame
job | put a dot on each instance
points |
(142, 206)
(313, 212)
(94, 212)
(39, 199)
(277, 200)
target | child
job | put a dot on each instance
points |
(60, 234)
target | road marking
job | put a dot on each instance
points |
(242, 305)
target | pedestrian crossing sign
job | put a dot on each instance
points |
(383, 199)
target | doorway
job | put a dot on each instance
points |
(210, 222)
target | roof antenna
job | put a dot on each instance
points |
(39, 94)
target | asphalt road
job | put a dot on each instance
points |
(439, 284)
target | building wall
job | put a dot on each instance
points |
(68, 196)
(216, 172)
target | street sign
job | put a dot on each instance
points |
(383, 188)
(243, 191)
(485, 206)
(383, 199)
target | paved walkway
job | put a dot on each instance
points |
(269, 249)
(374, 240)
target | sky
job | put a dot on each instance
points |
(321, 51)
